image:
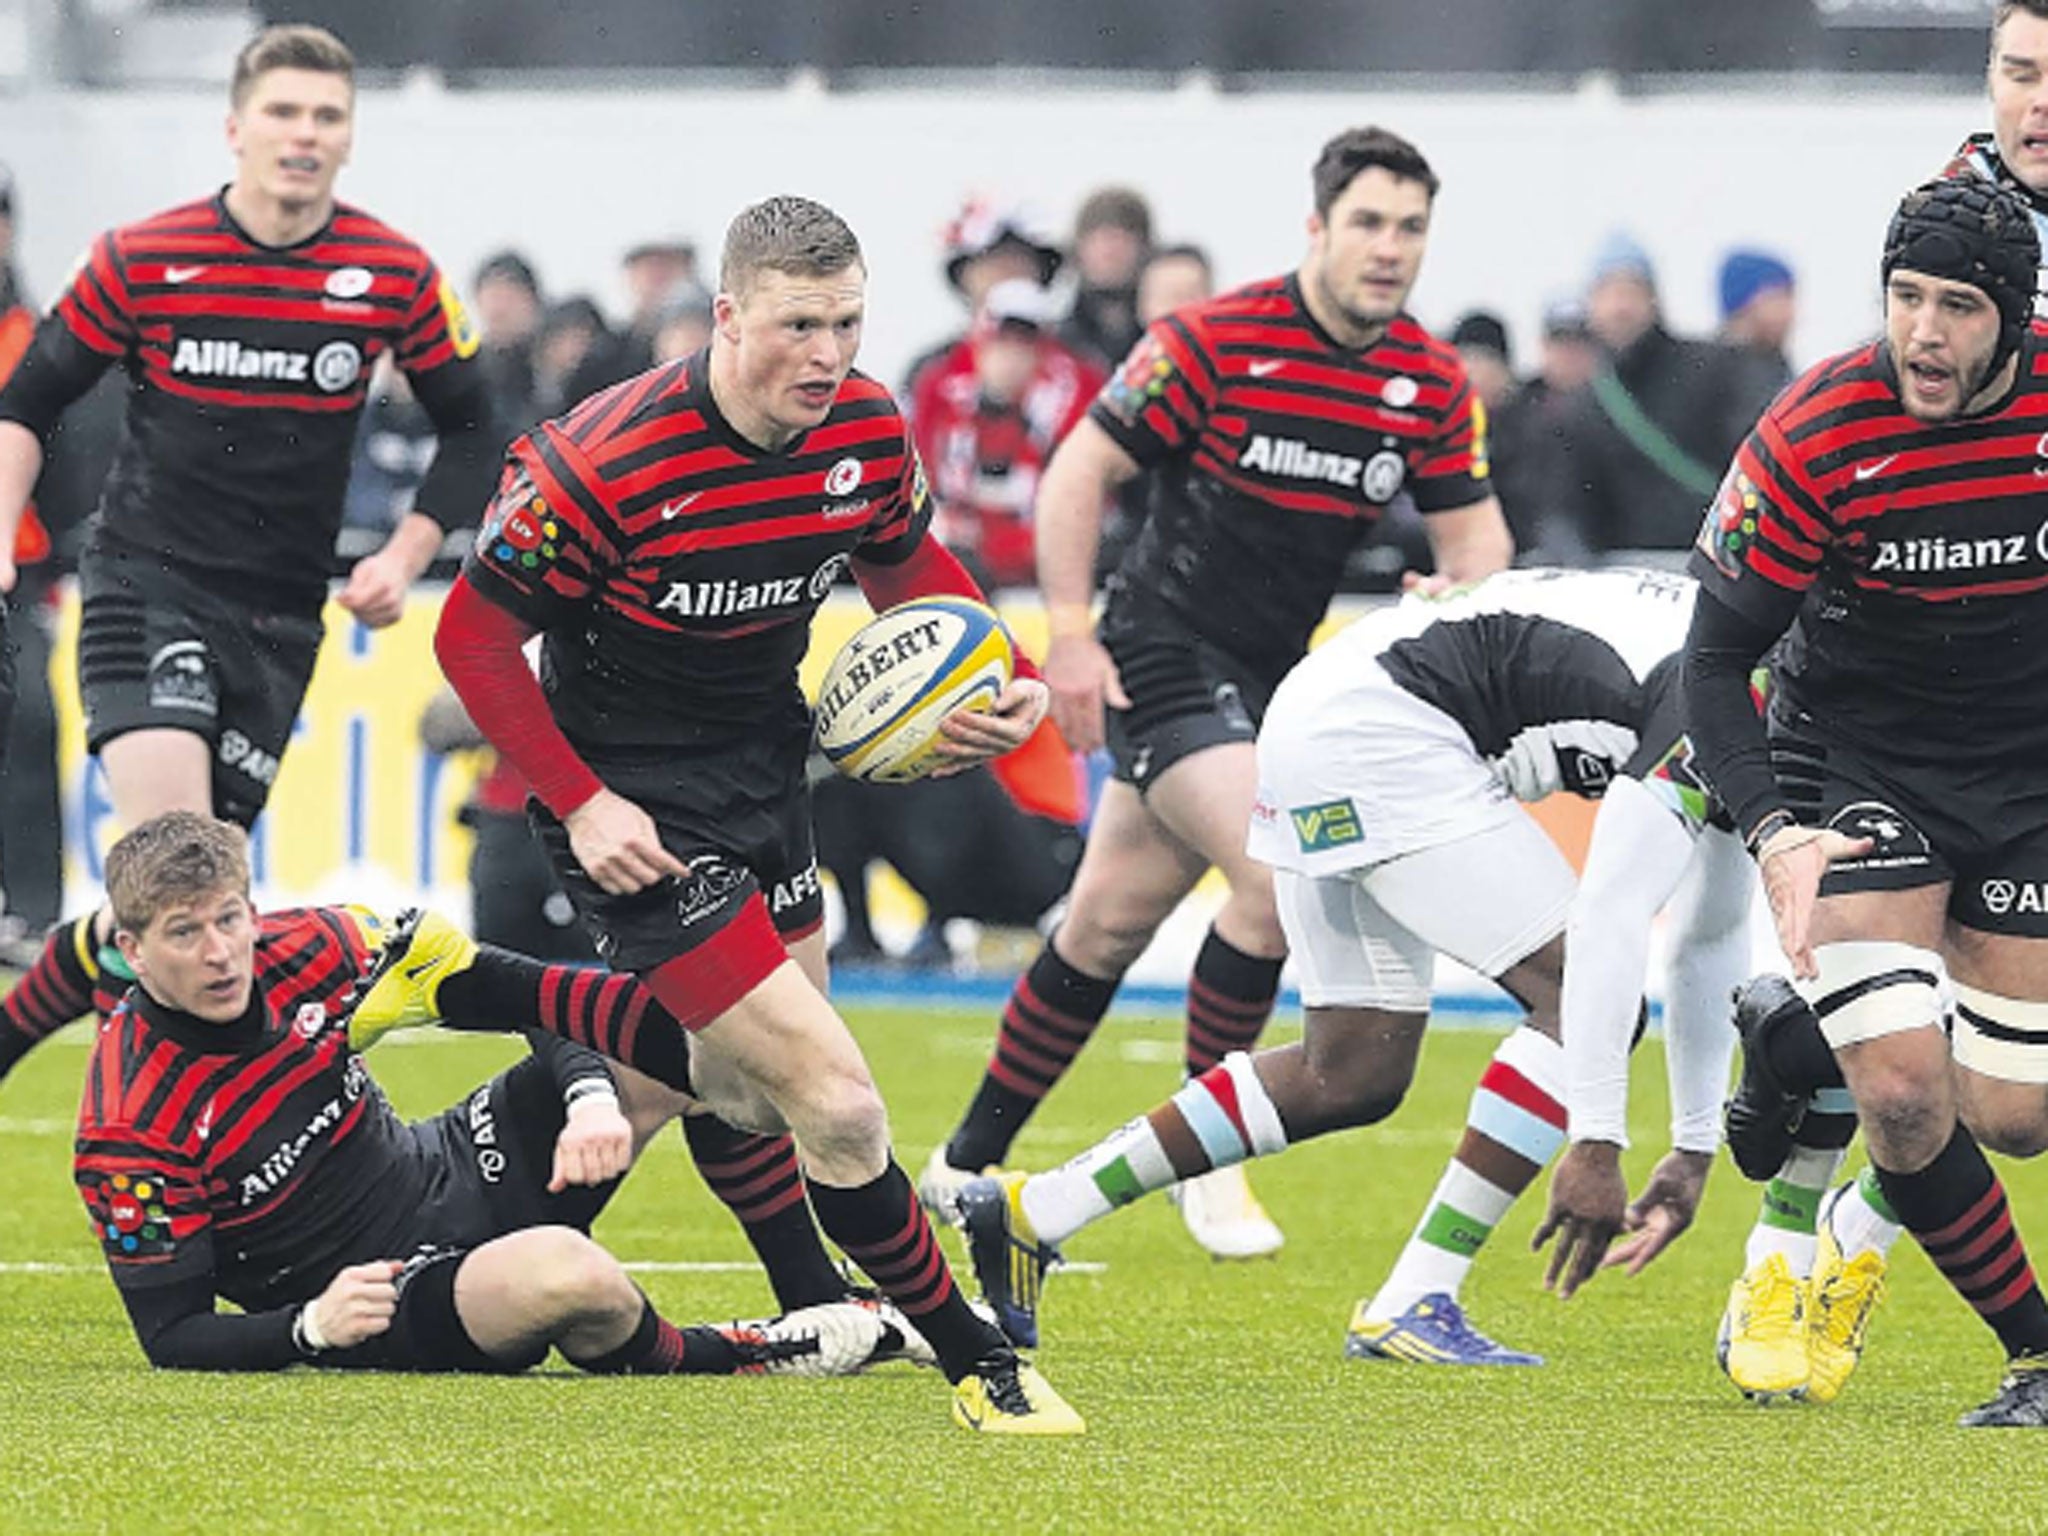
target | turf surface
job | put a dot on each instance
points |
(1215, 1394)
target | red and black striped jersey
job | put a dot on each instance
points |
(1910, 559)
(260, 1153)
(1278, 449)
(674, 566)
(249, 367)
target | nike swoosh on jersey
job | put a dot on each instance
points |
(677, 506)
(181, 274)
(1260, 369)
(1874, 467)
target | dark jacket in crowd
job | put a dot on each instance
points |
(1641, 452)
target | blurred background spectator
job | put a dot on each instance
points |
(1642, 447)
(508, 315)
(1112, 237)
(985, 243)
(986, 419)
(655, 272)
(684, 323)
(1759, 308)
(575, 354)
(45, 553)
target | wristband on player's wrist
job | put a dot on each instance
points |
(1768, 827)
(590, 1090)
(307, 1338)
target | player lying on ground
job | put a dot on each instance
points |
(756, 1176)
(1885, 511)
(232, 1144)
(1389, 766)
(1276, 424)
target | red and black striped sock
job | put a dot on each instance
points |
(1230, 997)
(1956, 1207)
(612, 1013)
(659, 1348)
(758, 1179)
(1052, 1012)
(884, 1230)
(51, 993)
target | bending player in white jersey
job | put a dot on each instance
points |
(1388, 765)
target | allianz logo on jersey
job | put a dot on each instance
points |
(332, 369)
(730, 597)
(1378, 477)
(1932, 556)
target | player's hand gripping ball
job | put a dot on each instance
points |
(886, 691)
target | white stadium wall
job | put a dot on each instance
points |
(1532, 182)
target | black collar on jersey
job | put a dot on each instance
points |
(699, 364)
(220, 206)
(1293, 285)
(237, 1037)
(1986, 144)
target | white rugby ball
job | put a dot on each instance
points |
(886, 691)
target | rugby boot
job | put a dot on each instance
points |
(835, 1339)
(940, 1183)
(402, 986)
(1841, 1298)
(1224, 1216)
(1762, 1340)
(1009, 1260)
(1434, 1331)
(1003, 1395)
(1762, 1115)
(2022, 1400)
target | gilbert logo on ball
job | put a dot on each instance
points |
(886, 691)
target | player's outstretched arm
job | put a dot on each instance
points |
(1637, 858)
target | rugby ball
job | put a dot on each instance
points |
(886, 691)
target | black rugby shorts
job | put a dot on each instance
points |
(739, 815)
(157, 650)
(1186, 696)
(1983, 831)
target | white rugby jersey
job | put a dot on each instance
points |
(1544, 670)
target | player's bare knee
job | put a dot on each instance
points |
(1536, 981)
(1904, 1119)
(2010, 1132)
(575, 1279)
(844, 1122)
(1360, 1062)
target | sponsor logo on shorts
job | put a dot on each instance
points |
(178, 678)
(702, 892)
(483, 1134)
(1325, 826)
(795, 891)
(2015, 896)
(1895, 843)
(246, 758)
(1229, 699)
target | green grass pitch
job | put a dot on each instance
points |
(1216, 1395)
